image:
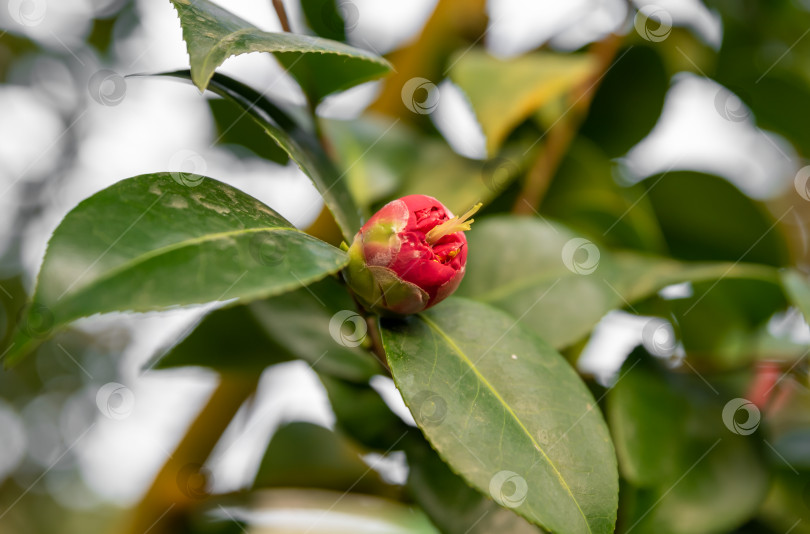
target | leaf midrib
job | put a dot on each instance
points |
(222, 46)
(142, 258)
(433, 326)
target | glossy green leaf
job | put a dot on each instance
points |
(699, 476)
(622, 114)
(169, 239)
(320, 66)
(300, 144)
(445, 497)
(504, 93)
(506, 411)
(294, 325)
(305, 455)
(559, 285)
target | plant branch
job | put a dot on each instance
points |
(278, 5)
(179, 484)
(560, 134)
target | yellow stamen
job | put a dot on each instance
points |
(451, 226)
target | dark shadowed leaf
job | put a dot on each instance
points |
(586, 197)
(704, 217)
(324, 17)
(236, 129)
(451, 503)
(300, 144)
(622, 113)
(227, 340)
(362, 414)
(295, 325)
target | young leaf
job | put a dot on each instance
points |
(168, 239)
(320, 66)
(507, 413)
(503, 93)
(301, 145)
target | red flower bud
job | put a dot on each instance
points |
(409, 256)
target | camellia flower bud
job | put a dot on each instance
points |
(409, 256)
